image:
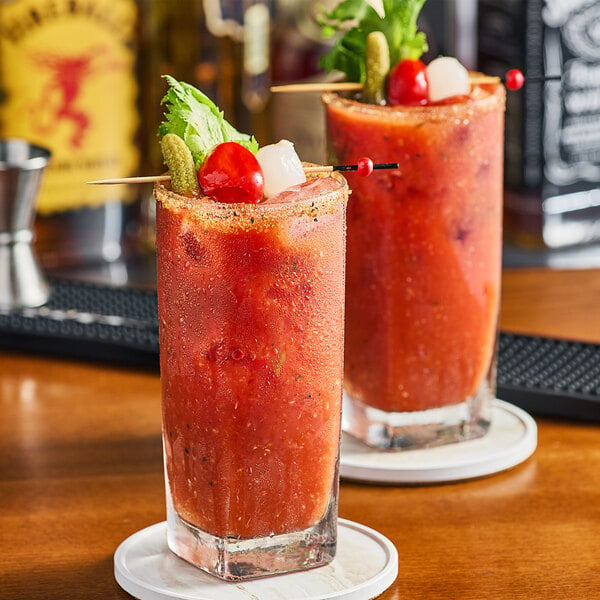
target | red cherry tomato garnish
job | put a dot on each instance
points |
(230, 173)
(514, 79)
(407, 83)
(365, 166)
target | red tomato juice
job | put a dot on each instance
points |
(424, 247)
(251, 310)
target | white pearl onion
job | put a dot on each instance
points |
(446, 77)
(281, 167)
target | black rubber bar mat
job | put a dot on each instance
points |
(119, 325)
(94, 322)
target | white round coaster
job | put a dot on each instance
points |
(366, 564)
(511, 439)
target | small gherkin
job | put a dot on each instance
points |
(180, 161)
(377, 66)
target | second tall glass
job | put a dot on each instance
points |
(423, 266)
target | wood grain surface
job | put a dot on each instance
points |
(81, 470)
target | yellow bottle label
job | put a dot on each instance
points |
(68, 84)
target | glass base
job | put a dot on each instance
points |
(238, 559)
(418, 429)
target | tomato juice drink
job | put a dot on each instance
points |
(251, 312)
(423, 266)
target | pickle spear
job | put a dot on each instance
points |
(178, 158)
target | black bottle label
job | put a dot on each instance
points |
(553, 123)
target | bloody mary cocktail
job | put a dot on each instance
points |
(251, 311)
(423, 266)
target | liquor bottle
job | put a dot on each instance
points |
(552, 158)
(451, 29)
(296, 50)
(241, 33)
(68, 82)
(174, 40)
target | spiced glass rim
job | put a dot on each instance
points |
(322, 202)
(488, 96)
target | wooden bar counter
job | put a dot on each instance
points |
(81, 470)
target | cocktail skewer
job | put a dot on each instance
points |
(318, 86)
(358, 167)
(142, 179)
(364, 166)
(514, 80)
(349, 86)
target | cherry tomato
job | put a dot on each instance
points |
(230, 173)
(407, 83)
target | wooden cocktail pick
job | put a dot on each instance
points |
(513, 79)
(143, 179)
(364, 167)
(318, 86)
(348, 86)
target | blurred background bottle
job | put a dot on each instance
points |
(222, 47)
(69, 82)
(451, 28)
(297, 47)
(241, 32)
(234, 50)
(83, 78)
(552, 158)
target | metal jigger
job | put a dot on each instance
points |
(22, 165)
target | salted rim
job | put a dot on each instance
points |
(495, 97)
(205, 207)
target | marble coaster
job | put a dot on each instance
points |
(366, 564)
(511, 439)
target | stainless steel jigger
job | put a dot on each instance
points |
(22, 282)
